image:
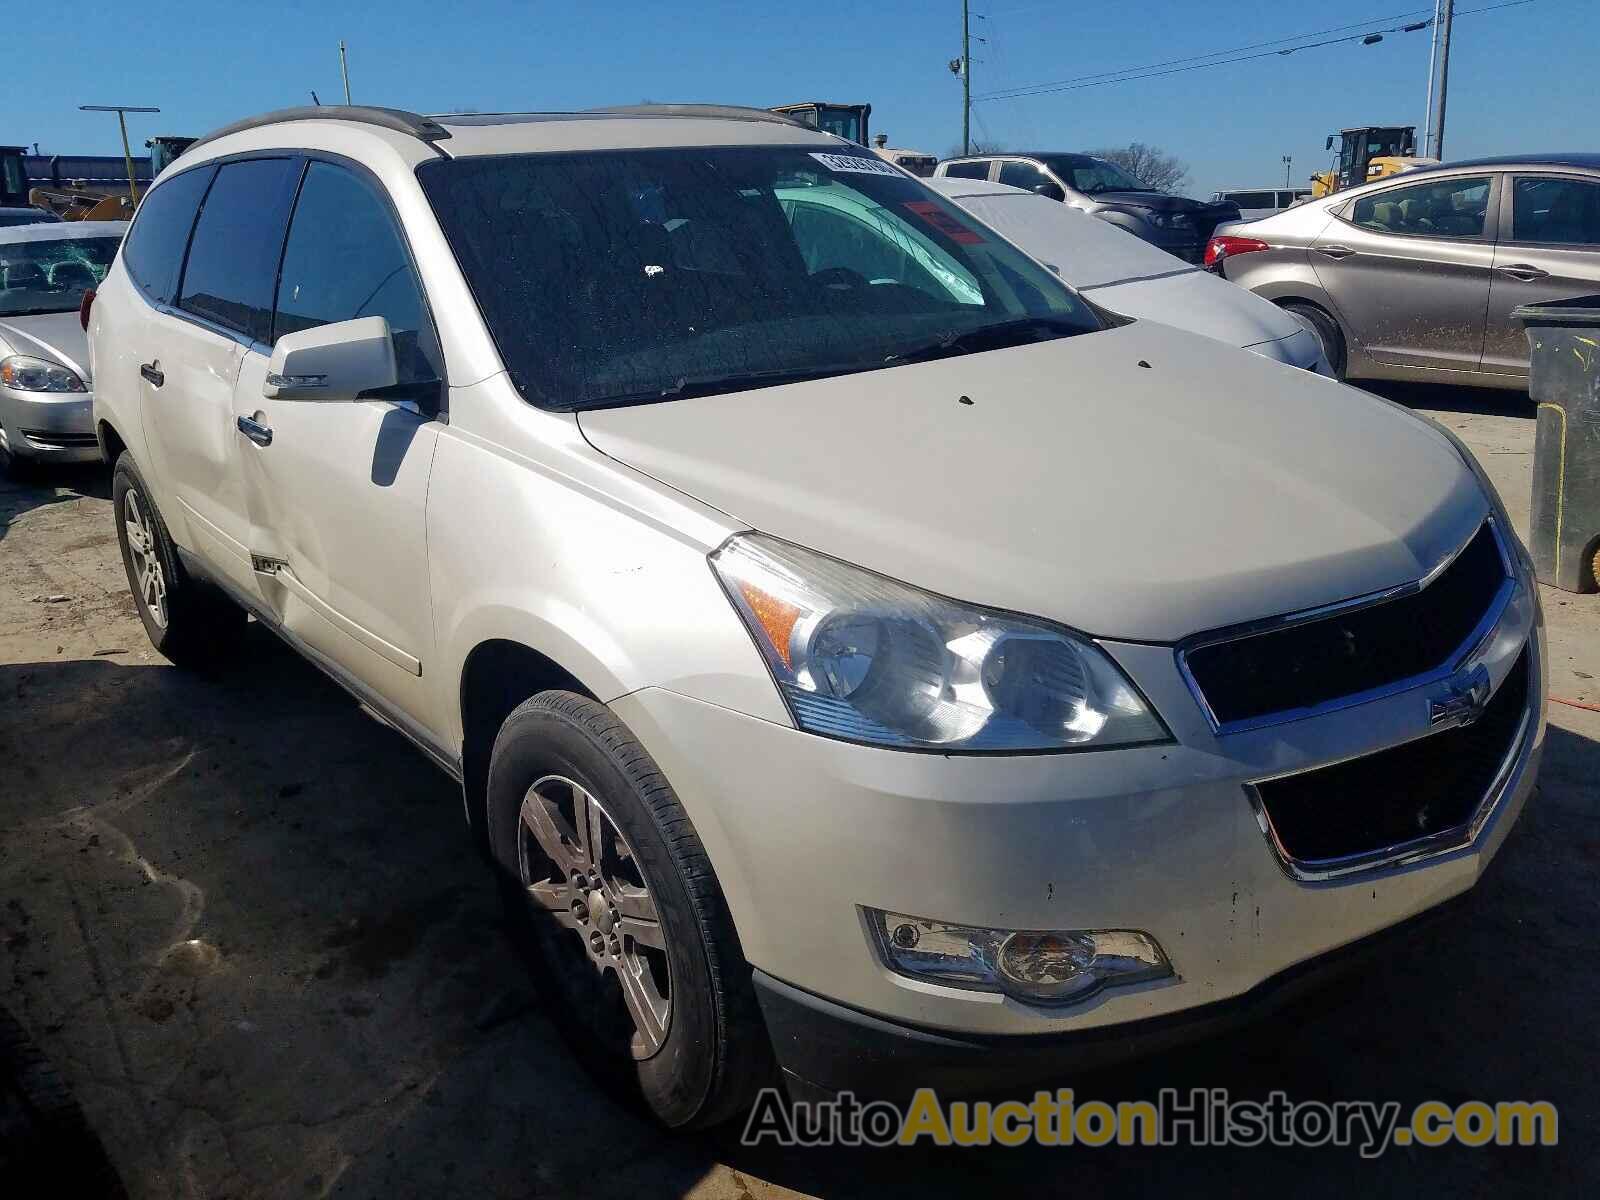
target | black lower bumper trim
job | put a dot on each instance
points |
(827, 1047)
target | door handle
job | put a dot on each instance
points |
(253, 429)
(152, 373)
(1334, 251)
(1523, 272)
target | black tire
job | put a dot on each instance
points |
(47, 1146)
(15, 468)
(714, 1053)
(190, 622)
(1327, 332)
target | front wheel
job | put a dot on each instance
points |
(610, 891)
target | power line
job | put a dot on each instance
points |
(999, 93)
(1133, 74)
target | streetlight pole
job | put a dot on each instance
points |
(1288, 162)
(344, 71)
(1433, 67)
(122, 123)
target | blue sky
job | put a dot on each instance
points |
(1522, 78)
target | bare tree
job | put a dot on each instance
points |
(1150, 165)
(979, 146)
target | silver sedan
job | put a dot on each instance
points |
(46, 401)
(1416, 277)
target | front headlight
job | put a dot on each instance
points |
(27, 374)
(867, 659)
(1497, 508)
(1166, 220)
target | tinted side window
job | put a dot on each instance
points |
(233, 259)
(345, 259)
(153, 252)
(1021, 174)
(1564, 212)
(968, 170)
(1253, 199)
(1449, 208)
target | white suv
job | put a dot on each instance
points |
(850, 642)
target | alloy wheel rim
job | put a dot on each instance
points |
(150, 580)
(580, 874)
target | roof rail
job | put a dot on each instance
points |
(728, 112)
(397, 119)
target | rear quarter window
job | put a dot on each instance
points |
(967, 170)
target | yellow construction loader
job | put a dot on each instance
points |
(1368, 153)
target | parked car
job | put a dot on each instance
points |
(25, 216)
(1416, 277)
(912, 675)
(1132, 277)
(46, 390)
(913, 161)
(1255, 203)
(1177, 224)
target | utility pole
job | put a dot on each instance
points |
(344, 70)
(122, 123)
(966, 76)
(1433, 67)
(1447, 11)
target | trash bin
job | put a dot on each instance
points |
(1564, 381)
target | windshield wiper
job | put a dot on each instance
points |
(688, 386)
(989, 337)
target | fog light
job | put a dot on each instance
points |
(1043, 967)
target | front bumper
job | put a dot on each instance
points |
(804, 832)
(1299, 349)
(48, 426)
(828, 1048)
(1185, 245)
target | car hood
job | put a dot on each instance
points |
(1196, 300)
(54, 336)
(1160, 202)
(1142, 502)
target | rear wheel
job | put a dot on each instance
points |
(610, 892)
(1325, 329)
(191, 623)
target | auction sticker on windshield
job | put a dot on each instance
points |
(855, 162)
(945, 223)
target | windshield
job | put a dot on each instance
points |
(841, 122)
(624, 277)
(12, 181)
(1091, 175)
(51, 276)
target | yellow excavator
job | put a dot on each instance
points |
(1368, 153)
(76, 200)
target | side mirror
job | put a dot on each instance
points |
(1049, 190)
(332, 362)
(1328, 145)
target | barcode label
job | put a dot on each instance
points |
(860, 163)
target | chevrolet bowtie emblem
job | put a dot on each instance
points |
(1463, 699)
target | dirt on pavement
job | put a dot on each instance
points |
(247, 924)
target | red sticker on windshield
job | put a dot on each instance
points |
(946, 224)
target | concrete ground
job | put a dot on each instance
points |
(246, 923)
